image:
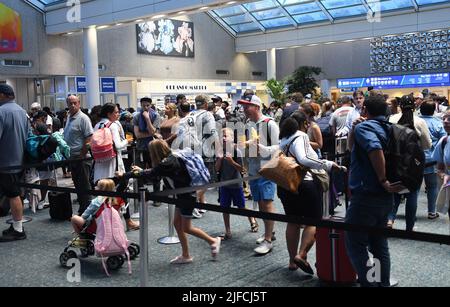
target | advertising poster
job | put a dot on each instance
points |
(166, 37)
(10, 30)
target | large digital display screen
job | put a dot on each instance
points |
(385, 82)
(10, 30)
(166, 37)
(410, 52)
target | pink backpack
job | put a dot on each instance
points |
(110, 239)
(102, 144)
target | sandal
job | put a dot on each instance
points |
(304, 265)
(225, 236)
(254, 227)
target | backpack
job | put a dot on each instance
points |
(324, 125)
(102, 144)
(110, 237)
(190, 126)
(405, 158)
(39, 148)
(195, 166)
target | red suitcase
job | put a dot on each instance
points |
(332, 262)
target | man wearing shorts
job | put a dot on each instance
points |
(263, 140)
(14, 128)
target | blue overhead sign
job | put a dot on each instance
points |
(385, 82)
(80, 84)
(107, 85)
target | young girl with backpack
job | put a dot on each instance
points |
(175, 175)
(107, 185)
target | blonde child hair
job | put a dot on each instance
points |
(107, 185)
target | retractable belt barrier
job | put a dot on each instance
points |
(54, 164)
(163, 197)
(75, 191)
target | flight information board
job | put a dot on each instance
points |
(385, 82)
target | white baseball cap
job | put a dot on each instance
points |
(251, 100)
(35, 105)
(418, 95)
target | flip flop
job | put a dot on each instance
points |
(304, 266)
(226, 236)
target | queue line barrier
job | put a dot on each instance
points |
(164, 197)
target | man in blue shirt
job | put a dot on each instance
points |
(372, 198)
(14, 128)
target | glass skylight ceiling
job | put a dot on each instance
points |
(261, 16)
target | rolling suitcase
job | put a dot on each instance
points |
(332, 262)
(60, 205)
(4, 206)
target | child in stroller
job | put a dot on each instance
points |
(85, 227)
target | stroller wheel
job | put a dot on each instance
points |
(122, 261)
(72, 254)
(84, 253)
(133, 251)
(113, 263)
(137, 248)
(63, 258)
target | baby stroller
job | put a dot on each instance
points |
(86, 243)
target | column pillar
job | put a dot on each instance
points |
(325, 88)
(91, 66)
(271, 64)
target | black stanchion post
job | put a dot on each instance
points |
(143, 239)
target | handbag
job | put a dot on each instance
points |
(285, 171)
(322, 177)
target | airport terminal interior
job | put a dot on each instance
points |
(247, 144)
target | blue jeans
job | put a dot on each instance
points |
(369, 210)
(410, 209)
(431, 183)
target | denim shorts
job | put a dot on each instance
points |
(232, 196)
(262, 189)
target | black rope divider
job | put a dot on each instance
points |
(392, 233)
(204, 187)
(54, 164)
(163, 197)
(75, 191)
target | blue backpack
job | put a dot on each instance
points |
(324, 125)
(39, 148)
(195, 166)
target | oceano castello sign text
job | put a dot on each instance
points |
(186, 87)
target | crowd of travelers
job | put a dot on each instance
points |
(223, 141)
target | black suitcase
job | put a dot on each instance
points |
(4, 206)
(60, 206)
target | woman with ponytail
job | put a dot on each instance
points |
(408, 119)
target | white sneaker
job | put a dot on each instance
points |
(196, 214)
(26, 201)
(40, 205)
(264, 248)
(263, 238)
(202, 211)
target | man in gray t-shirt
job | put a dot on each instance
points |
(14, 128)
(77, 134)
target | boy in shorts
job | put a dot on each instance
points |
(230, 167)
